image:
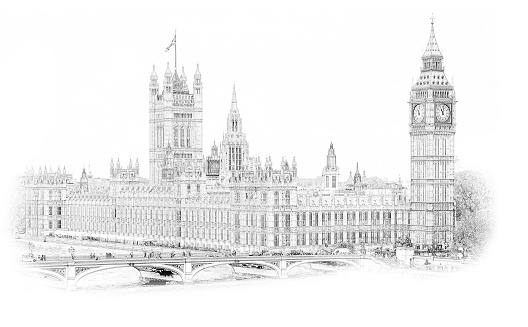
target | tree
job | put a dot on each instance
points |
(404, 241)
(472, 205)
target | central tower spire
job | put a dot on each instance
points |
(234, 107)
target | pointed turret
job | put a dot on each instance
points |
(197, 87)
(234, 121)
(432, 49)
(214, 149)
(168, 74)
(111, 167)
(184, 80)
(432, 57)
(357, 175)
(153, 86)
(331, 171)
(153, 75)
(84, 182)
(130, 163)
(118, 164)
(294, 167)
(234, 107)
(167, 83)
(197, 74)
(137, 166)
(331, 158)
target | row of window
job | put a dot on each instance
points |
(58, 211)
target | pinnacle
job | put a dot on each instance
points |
(432, 48)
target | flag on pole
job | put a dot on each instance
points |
(173, 42)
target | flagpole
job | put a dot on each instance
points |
(175, 63)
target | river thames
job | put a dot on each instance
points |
(311, 296)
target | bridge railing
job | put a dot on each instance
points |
(123, 259)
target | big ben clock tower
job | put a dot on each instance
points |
(432, 121)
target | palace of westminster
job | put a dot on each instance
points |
(230, 200)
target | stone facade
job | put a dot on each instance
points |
(232, 200)
(432, 121)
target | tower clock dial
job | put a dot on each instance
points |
(442, 113)
(418, 113)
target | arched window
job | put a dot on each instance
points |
(182, 137)
(287, 197)
(276, 198)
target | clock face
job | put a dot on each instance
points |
(418, 113)
(442, 113)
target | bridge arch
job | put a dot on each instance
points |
(382, 265)
(48, 273)
(296, 264)
(230, 263)
(166, 267)
(94, 270)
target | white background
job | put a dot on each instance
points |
(74, 92)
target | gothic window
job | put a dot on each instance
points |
(334, 181)
(287, 197)
(276, 198)
(188, 137)
(182, 137)
(276, 220)
(176, 136)
(287, 220)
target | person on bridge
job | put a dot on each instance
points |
(131, 255)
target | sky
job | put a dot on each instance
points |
(305, 76)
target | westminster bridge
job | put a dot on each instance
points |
(70, 271)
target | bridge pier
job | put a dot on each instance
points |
(283, 272)
(187, 273)
(70, 275)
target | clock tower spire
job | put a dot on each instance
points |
(432, 121)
